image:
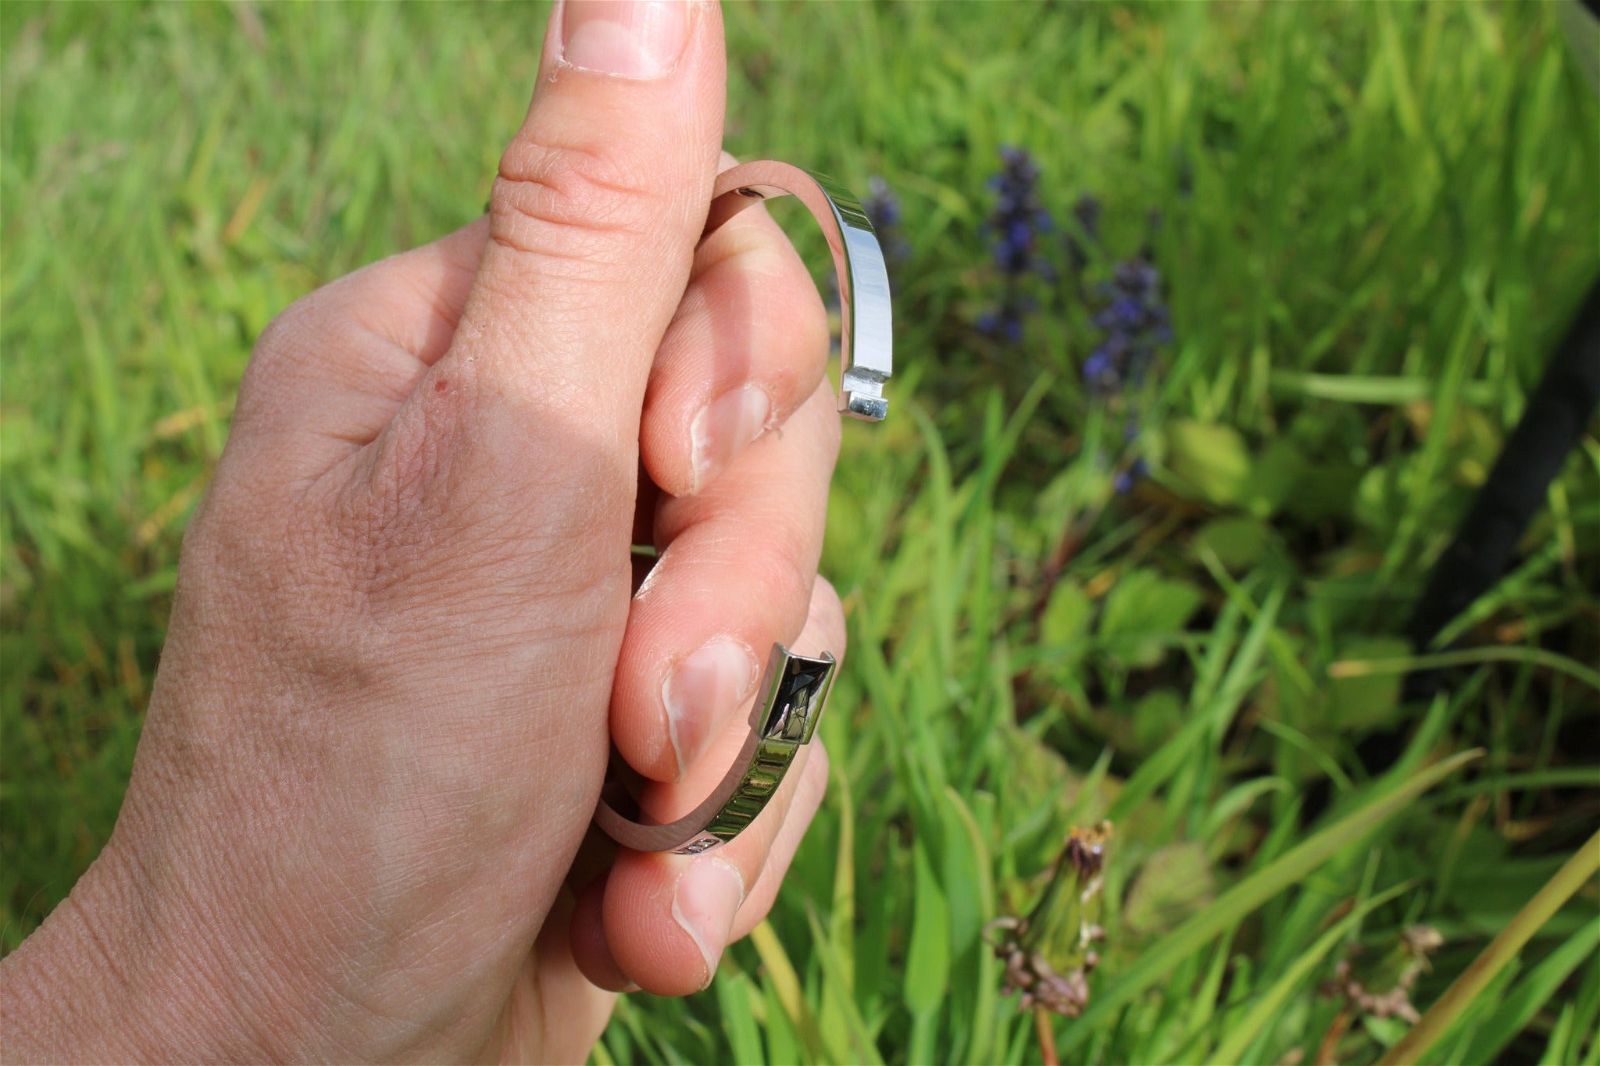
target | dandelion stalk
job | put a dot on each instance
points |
(1047, 1037)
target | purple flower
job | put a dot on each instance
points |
(1018, 218)
(1138, 277)
(1124, 314)
(1127, 477)
(1015, 227)
(1005, 323)
(883, 211)
(881, 204)
(1100, 370)
(1135, 325)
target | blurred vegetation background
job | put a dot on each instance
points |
(1147, 561)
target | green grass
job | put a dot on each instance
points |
(1376, 220)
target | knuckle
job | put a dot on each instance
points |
(281, 333)
(293, 350)
(304, 324)
(272, 355)
(566, 202)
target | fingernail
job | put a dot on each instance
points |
(716, 677)
(628, 38)
(723, 428)
(707, 897)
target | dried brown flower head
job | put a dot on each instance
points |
(1050, 953)
(1382, 986)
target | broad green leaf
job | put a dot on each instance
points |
(1143, 607)
(1237, 541)
(1276, 475)
(1366, 701)
(1173, 883)
(1143, 601)
(1157, 715)
(1382, 494)
(1209, 460)
(1066, 617)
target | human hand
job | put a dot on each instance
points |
(380, 724)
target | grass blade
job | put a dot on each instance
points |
(1406, 664)
(928, 959)
(733, 1002)
(780, 972)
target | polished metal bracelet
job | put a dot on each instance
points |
(794, 688)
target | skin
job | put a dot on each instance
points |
(407, 627)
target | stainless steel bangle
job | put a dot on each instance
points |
(794, 688)
(866, 337)
(793, 692)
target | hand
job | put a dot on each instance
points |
(405, 616)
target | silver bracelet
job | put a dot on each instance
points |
(794, 688)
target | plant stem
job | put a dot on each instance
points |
(1346, 668)
(1047, 1036)
(1328, 1049)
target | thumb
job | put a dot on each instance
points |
(599, 203)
